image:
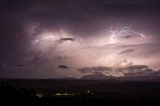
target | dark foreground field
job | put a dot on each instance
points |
(73, 92)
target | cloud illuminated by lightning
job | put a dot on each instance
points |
(45, 36)
(59, 40)
(123, 33)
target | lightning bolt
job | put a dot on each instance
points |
(124, 32)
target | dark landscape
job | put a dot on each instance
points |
(72, 91)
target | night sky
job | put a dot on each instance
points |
(74, 38)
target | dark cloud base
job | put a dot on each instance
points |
(133, 70)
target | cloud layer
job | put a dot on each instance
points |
(133, 70)
(39, 36)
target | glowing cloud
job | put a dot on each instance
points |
(48, 40)
(124, 33)
(48, 37)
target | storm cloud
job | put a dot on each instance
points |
(133, 70)
(36, 36)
